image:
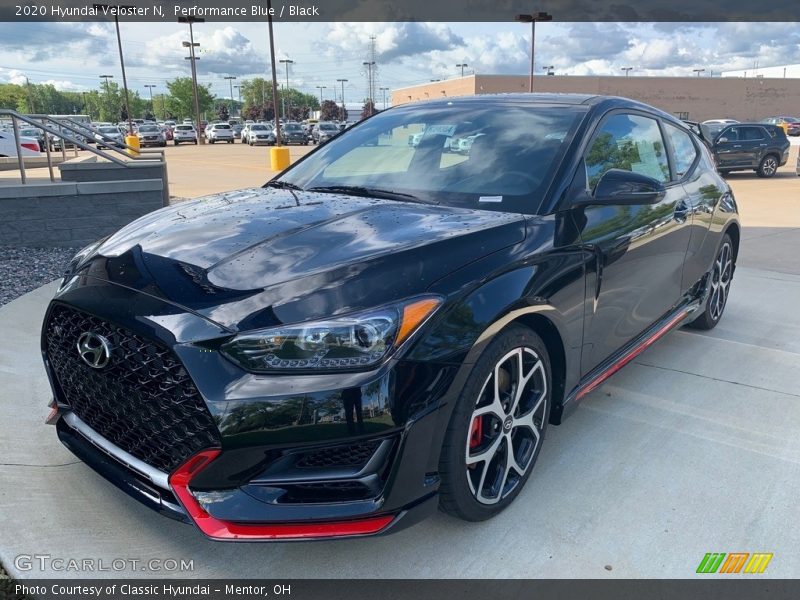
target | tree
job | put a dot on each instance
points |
(181, 97)
(368, 110)
(222, 111)
(329, 111)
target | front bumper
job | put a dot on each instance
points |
(272, 475)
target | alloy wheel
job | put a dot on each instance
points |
(769, 166)
(721, 276)
(506, 425)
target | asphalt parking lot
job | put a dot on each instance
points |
(693, 448)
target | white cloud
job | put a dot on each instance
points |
(12, 76)
(221, 51)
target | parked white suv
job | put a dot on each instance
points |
(219, 132)
(184, 133)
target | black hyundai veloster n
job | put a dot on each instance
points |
(390, 324)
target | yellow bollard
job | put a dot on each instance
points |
(133, 141)
(279, 158)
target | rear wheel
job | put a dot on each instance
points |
(721, 275)
(768, 166)
(497, 427)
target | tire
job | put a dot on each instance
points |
(721, 275)
(211, 141)
(464, 491)
(195, 142)
(176, 142)
(768, 166)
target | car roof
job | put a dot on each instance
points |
(595, 102)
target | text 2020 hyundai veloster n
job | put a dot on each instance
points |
(387, 327)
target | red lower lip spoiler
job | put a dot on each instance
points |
(225, 530)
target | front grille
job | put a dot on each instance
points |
(143, 401)
(351, 455)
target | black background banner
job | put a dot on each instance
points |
(410, 10)
(712, 588)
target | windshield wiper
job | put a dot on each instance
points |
(356, 190)
(283, 185)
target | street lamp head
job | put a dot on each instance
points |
(189, 45)
(537, 17)
(191, 20)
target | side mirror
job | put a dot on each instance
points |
(618, 186)
(722, 139)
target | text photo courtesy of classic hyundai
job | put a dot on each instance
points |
(389, 326)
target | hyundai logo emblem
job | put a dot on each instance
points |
(95, 350)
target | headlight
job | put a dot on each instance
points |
(346, 343)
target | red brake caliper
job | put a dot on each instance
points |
(476, 432)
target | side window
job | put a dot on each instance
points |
(627, 142)
(752, 133)
(684, 148)
(731, 134)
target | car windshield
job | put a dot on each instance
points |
(222, 126)
(184, 128)
(149, 128)
(258, 128)
(328, 126)
(108, 130)
(29, 132)
(292, 127)
(477, 155)
(713, 129)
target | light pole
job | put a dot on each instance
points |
(698, 71)
(106, 77)
(532, 19)
(384, 90)
(462, 66)
(150, 87)
(192, 45)
(548, 70)
(106, 7)
(627, 70)
(274, 75)
(344, 108)
(239, 92)
(369, 65)
(108, 90)
(230, 79)
(286, 105)
(320, 88)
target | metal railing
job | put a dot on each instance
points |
(74, 132)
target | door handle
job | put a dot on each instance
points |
(737, 146)
(681, 211)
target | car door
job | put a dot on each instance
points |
(729, 150)
(638, 250)
(754, 142)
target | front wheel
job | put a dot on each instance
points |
(768, 166)
(719, 284)
(497, 427)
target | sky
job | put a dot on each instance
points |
(72, 56)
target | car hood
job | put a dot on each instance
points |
(265, 256)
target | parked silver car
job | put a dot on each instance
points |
(219, 132)
(184, 133)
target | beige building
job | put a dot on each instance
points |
(695, 98)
